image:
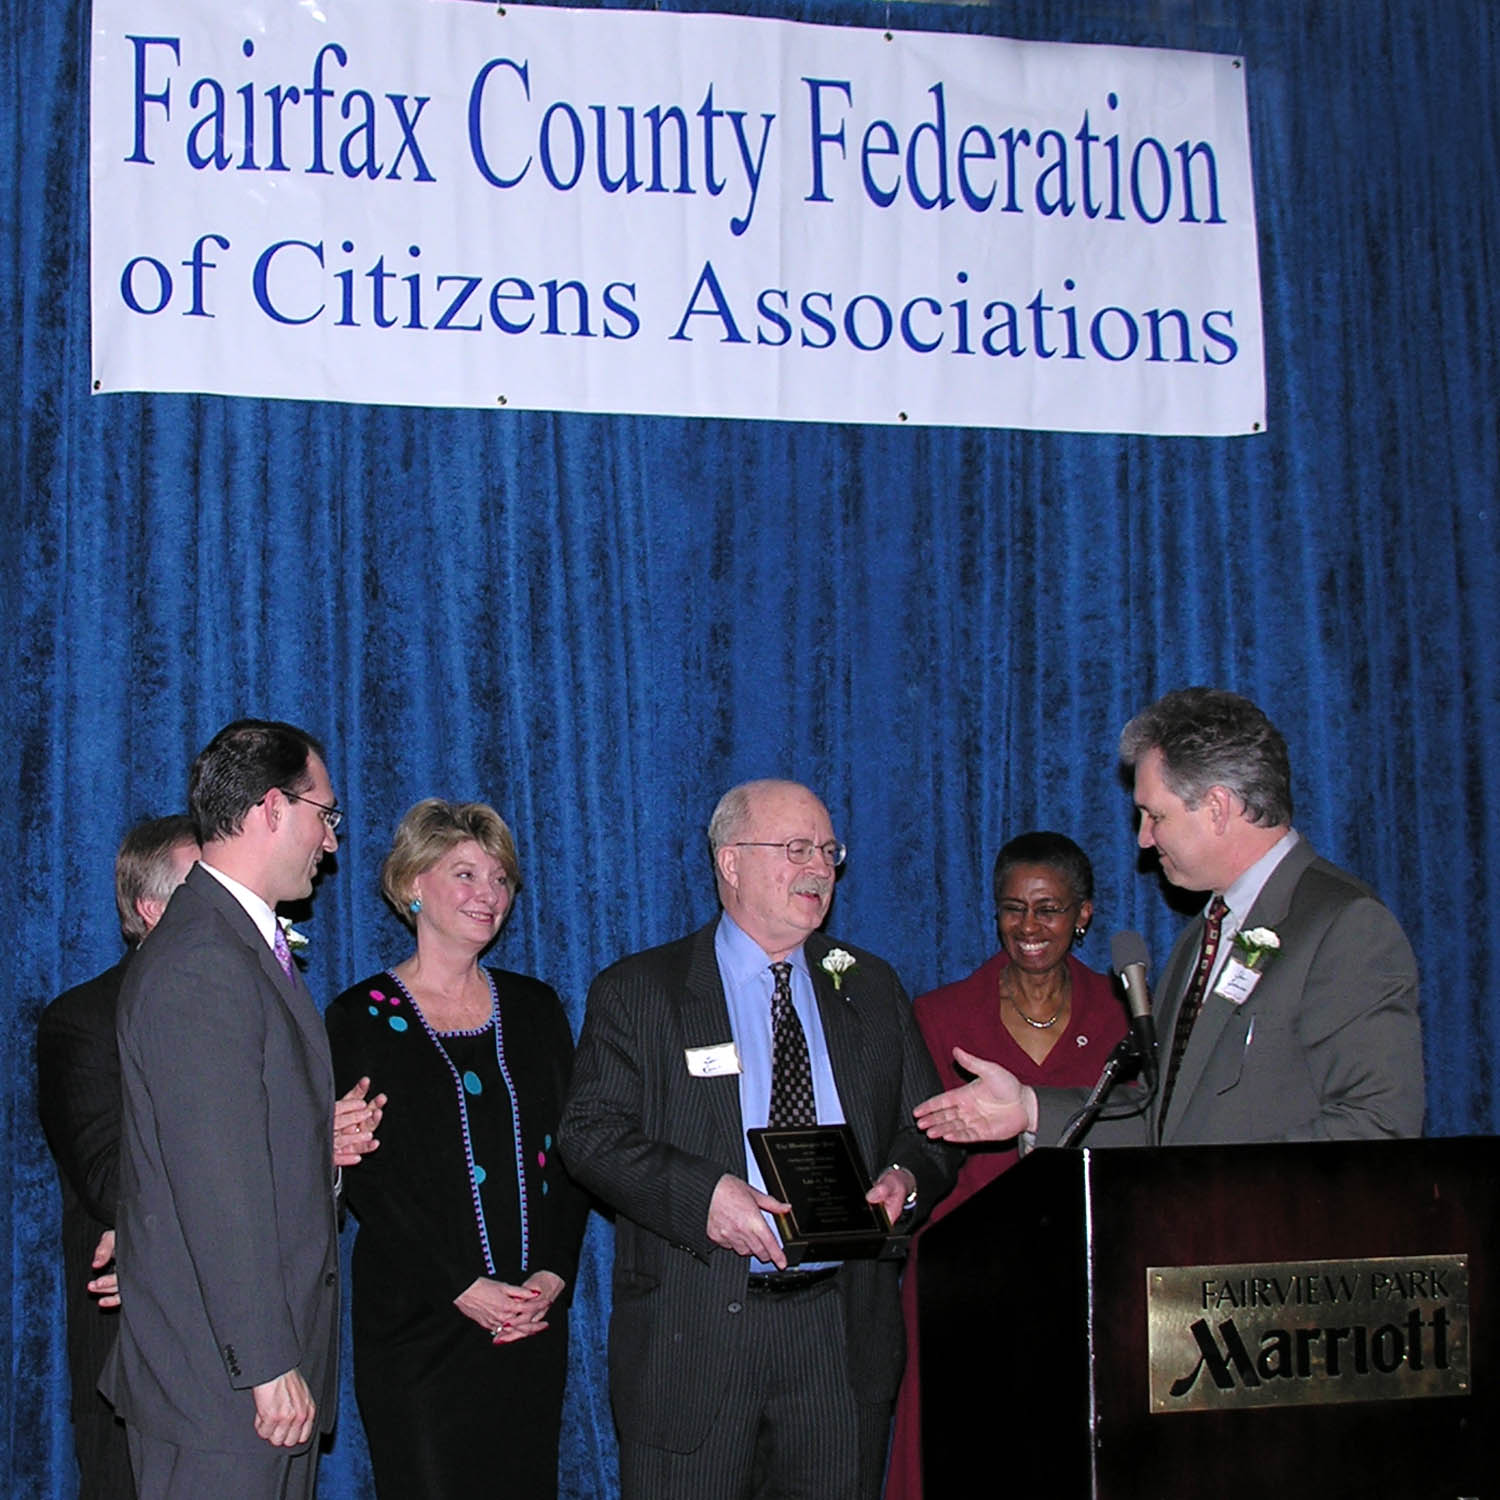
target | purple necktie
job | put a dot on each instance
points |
(283, 952)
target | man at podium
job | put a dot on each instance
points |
(1288, 1008)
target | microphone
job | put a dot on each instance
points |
(1127, 956)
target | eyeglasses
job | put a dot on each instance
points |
(800, 851)
(331, 816)
(1045, 911)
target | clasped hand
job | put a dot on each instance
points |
(355, 1118)
(507, 1312)
(106, 1286)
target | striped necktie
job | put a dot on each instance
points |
(1192, 1002)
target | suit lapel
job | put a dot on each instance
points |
(1212, 1019)
(1275, 900)
(1269, 909)
(292, 993)
(844, 1036)
(1174, 979)
(298, 1000)
(705, 1023)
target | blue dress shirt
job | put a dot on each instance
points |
(745, 969)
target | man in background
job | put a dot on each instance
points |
(78, 1095)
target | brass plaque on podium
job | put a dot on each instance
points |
(1306, 1332)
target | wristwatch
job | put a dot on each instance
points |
(911, 1197)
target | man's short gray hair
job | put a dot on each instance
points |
(1209, 738)
(143, 868)
(731, 816)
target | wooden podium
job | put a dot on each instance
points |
(1336, 1336)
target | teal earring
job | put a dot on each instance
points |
(414, 905)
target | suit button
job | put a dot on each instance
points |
(735, 1307)
(329, 1279)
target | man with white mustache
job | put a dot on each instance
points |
(731, 1374)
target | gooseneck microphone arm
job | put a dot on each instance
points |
(1127, 955)
(1138, 1045)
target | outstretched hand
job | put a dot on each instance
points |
(993, 1106)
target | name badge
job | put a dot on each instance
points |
(713, 1062)
(1237, 982)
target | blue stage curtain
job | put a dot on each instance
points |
(598, 623)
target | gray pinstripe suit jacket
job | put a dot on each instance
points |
(653, 1141)
(228, 1249)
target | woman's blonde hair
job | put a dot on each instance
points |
(428, 831)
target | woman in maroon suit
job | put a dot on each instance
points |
(1036, 1009)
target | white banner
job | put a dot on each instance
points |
(456, 204)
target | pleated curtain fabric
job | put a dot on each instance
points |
(596, 622)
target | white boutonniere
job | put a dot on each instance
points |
(1255, 945)
(296, 941)
(836, 963)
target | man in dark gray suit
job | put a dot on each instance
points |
(732, 1376)
(1288, 1008)
(78, 1098)
(225, 1365)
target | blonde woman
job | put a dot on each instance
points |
(469, 1227)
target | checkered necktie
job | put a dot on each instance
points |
(1192, 1002)
(791, 1072)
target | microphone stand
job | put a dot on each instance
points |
(1127, 1050)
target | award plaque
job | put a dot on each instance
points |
(817, 1169)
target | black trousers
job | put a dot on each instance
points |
(103, 1458)
(790, 1427)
